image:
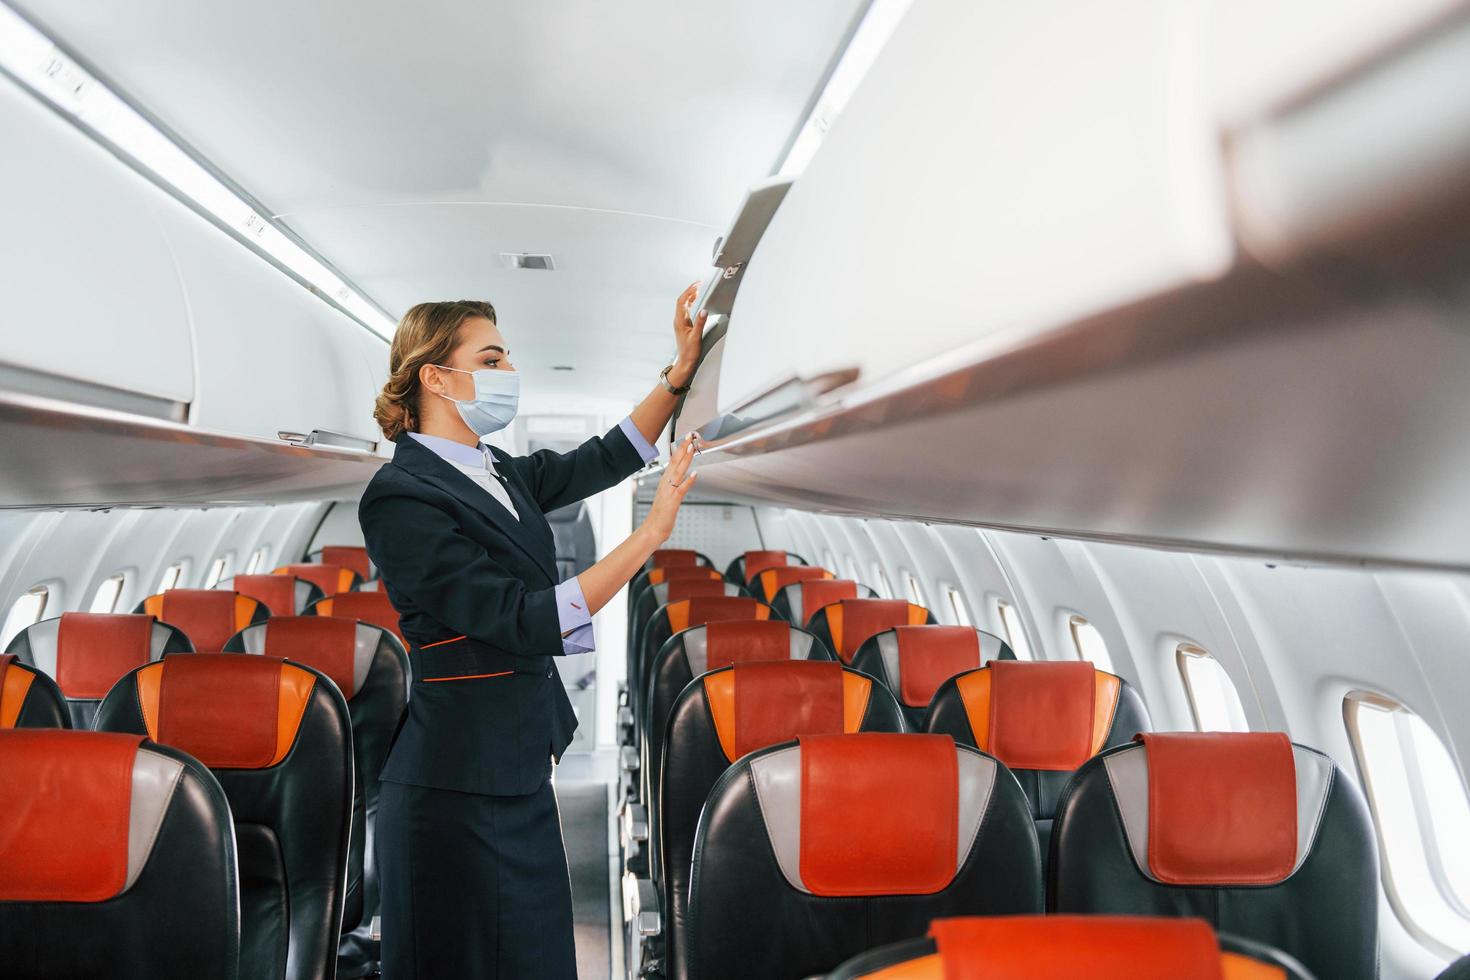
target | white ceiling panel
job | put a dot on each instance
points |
(410, 144)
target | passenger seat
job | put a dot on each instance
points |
(1266, 840)
(913, 661)
(768, 582)
(117, 862)
(331, 579)
(1042, 719)
(666, 592)
(354, 557)
(799, 601)
(369, 607)
(668, 557)
(279, 740)
(28, 698)
(813, 851)
(748, 563)
(87, 653)
(846, 624)
(691, 653)
(734, 711)
(670, 619)
(370, 668)
(1063, 947)
(283, 595)
(208, 617)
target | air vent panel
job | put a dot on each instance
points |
(528, 260)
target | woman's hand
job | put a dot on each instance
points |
(688, 330)
(675, 483)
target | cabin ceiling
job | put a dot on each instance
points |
(412, 144)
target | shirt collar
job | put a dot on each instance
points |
(475, 457)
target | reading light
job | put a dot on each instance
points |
(879, 22)
(37, 63)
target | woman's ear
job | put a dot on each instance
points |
(431, 379)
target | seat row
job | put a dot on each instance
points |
(279, 737)
(841, 802)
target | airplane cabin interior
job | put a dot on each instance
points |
(1076, 582)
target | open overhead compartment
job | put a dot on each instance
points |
(1161, 326)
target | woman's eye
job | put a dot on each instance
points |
(491, 363)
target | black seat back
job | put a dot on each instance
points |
(122, 869)
(278, 737)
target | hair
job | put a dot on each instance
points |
(427, 334)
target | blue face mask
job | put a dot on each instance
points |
(497, 393)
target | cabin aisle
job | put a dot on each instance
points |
(584, 828)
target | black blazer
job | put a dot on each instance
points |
(475, 590)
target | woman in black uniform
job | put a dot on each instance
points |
(473, 874)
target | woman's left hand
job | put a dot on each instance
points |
(688, 330)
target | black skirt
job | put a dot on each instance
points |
(473, 886)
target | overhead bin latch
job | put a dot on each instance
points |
(328, 439)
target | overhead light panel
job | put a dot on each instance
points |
(35, 61)
(528, 260)
(879, 22)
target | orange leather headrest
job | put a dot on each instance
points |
(664, 557)
(1222, 807)
(355, 558)
(278, 592)
(879, 814)
(1097, 947)
(323, 642)
(708, 608)
(96, 650)
(229, 711)
(852, 621)
(208, 617)
(64, 832)
(370, 607)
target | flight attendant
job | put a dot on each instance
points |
(473, 873)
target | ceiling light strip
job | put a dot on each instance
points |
(42, 67)
(878, 23)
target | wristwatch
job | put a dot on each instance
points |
(663, 376)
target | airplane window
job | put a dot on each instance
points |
(916, 594)
(256, 563)
(27, 609)
(217, 571)
(885, 587)
(1090, 644)
(852, 569)
(1015, 633)
(1421, 812)
(957, 603)
(1213, 700)
(104, 600)
(171, 576)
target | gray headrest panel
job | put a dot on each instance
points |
(154, 780)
